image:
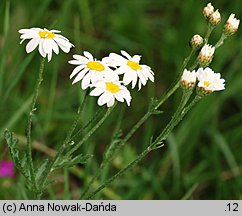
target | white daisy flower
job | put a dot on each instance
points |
(90, 70)
(209, 81)
(109, 91)
(47, 40)
(188, 79)
(130, 67)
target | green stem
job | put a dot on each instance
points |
(176, 118)
(220, 41)
(85, 138)
(176, 83)
(150, 147)
(113, 149)
(119, 145)
(93, 119)
(65, 143)
(29, 125)
(209, 31)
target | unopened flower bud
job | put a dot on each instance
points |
(196, 41)
(188, 79)
(231, 25)
(206, 55)
(208, 10)
(215, 18)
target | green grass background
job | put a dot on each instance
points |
(201, 159)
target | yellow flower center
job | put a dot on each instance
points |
(92, 65)
(206, 83)
(113, 88)
(134, 65)
(46, 34)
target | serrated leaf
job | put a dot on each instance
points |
(111, 149)
(40, 170)
(80, 159)
(12, 143)
(24, 166)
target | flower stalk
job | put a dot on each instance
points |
(29, 124)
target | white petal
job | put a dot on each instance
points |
(142, 77)
(32, 44)
(46, 46)
(88, 55)
(136, 58)
(86, 81)
(134, 80)
(96, 92)
(63, 44)
(81, 58)
(104, 98)
(120, 70)
(54, 46)
(55, 31)
(126, 95)
(80, 76)
(119, 97)
(41, 49)
(124, 53)
(117, 59)
(77, 70)
(110, 102)
(127, 78)
(29, 35)
(75, 62)
(49, 56)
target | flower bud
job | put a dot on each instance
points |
(215, 18)
(231, 25)
(206, 55)
(208, 10)
(196, 41)
(188, 79)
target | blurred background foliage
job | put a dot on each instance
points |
(201, 159)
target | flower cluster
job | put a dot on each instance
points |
(212, 16)
(208, 81)
(104, 75)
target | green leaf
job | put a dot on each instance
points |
(41, 170)
(12, 143)
(70, 162)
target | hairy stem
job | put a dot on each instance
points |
(29, 124)
(65, 143)
(174, 121)
(120, 144)
(85, 138)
